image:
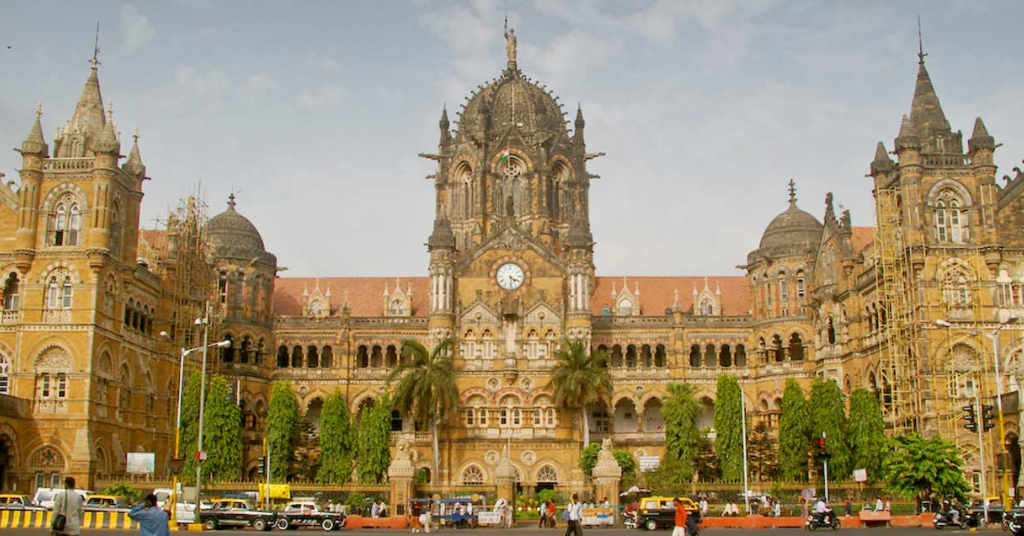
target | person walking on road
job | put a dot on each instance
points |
(151, 519)
(71, 505)
(681, 516)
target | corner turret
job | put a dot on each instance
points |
(134, 165)
(882, 163)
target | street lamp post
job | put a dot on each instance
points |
(177, 428)
(743, 424)
(205, 321)
(994, 337)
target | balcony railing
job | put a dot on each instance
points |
(10, 317)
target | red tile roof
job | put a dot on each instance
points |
(365, 294)
(862, 238)
(156, 239)
(658, 293)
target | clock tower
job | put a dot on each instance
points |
(511, 257)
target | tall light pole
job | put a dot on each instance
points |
(200, 455)
(994, 336)
(177, 427)
(743, 427)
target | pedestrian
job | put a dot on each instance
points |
(373, 509)
(427, 515)
(416, 512)
(70, 505)
(680, 519)
(551, 514)
(382, 510)
(151, 519)
(542, 513)
(848, 507)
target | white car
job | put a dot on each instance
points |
(44, 496)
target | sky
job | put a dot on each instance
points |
(313, 112)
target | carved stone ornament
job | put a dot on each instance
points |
(529, 457)
(509, 240)
(54, 358)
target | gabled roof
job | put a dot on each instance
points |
(861, 238)
(365, 295)
(659, 293)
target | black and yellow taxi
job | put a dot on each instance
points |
(660, 512)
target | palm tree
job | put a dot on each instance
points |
(426, 390)
(579, 379)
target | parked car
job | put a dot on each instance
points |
(10, 501)
(44, 496)
(235, 513)
(659, 512)
(308, 514)
(106, 503)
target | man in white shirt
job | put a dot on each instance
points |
(72, 506)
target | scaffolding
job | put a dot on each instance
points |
(189, 268)
(897, 286)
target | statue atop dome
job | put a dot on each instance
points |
(510, 45)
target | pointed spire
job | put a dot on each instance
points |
(980, 138)
(676, 305)
(580, 123)
(925, 111)
(443, 123)
(88, 116)
(107, 141)
(908, 136)
(134, 163)
(882, 163)
(35, 143)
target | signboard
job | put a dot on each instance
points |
(141, 463)
(597, 516)
(277, 491)
(488, 518)
(860, 475)
(649, 463)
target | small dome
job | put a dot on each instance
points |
(233, 235)
(793, 231)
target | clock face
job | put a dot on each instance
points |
(510, 276)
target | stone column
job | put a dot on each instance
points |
(401, 474)
(505, 478)
(606, 476)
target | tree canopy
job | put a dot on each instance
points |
(729, 428)
(373, 442)
(828, 415)
(914, 464)
(282, 420)
(867, 433)
(794, 432)
(337, 440)
(222, 430)
(682, 437)
(579, 378)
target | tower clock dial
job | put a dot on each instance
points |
(510, 276)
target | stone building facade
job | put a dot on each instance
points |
(84, 380)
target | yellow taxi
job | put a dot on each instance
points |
(658, 512)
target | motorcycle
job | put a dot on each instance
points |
(826, 520)
(945, 519)
(629, 520)
(1014, 522)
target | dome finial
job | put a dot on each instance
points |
(510, 45)
(792, 193)
(231, 201)
(920, 43)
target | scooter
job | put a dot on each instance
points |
(826, 520)
(1014, 522)
(629, 520)
(945, 519)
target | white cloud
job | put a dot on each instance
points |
(136, 30)
(258, 84)
(321, 62)
(324, 97)
(209, 82)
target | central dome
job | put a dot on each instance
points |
(513, 99)
(792, 232)
(234, 236)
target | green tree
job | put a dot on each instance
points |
(588, 458)
(667, 479)
(282, 420)
(761, 451)
(828, 415)
(426, 389)
(794, 432)
(867, 433)
(336, 441)
(707, 461)
(373, 442)
(729, 427)
(125, 490)
(682, 438)
(578, 379)
(222, 430)
(915, 464)
(627, 463)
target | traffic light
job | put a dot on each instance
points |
(972, 423)
(822, 450)
(263, 465)
(988, 416)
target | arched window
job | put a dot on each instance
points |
(362, 356)
(472, 475)
(5, 375)
(951, 221)
(830, 328)
(695, 356)
(659, 355)
(297, 357)
(58, 292)
(115, 229)
(12, 289)
(710, 356)
(65, 222)
(725, 356)
(327, 357)
(490, 348)
(282, 356)
(707, 307)
(625, 307)
(956, 289)
(547, 474)
(796, 347)
(741, 355)
(227, 354)
(532, 345)
(312, 357)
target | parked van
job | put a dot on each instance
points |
(44, 496)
